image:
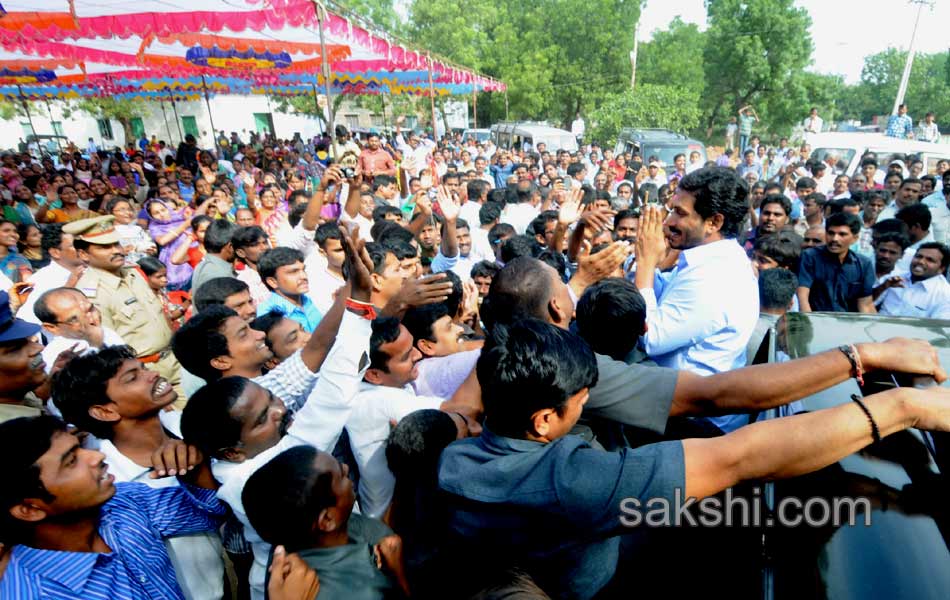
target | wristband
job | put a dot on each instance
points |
(875, 432)
(857, 369)
(363, 309)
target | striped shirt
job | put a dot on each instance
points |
(132, 523)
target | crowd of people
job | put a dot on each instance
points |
(406, 367)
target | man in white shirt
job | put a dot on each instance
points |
(929, 132)
(71, 322)
(418, 149)
(385, 396)
(939, 205)
(325, 266)
(813, 124)
(923, 292)
(477, 196)
(918, 220)
(64, 270)
(701, 315)
(522, 208)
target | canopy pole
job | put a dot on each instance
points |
(49, 109)
(475, 106)
(29, 117)
(435, 135)
(506, 104)
(181, 138)
(165, 118)
(331, 130)
(214, 131)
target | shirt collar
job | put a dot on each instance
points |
(286, 305)
(70, 569)
(507, 445)
(698, 255)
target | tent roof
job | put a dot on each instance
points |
(153, 48)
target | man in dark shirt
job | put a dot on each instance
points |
(527, 494)
(833, 278)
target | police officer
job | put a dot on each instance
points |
(127, 303)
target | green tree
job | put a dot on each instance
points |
(755, 51)
(650, 105)
(674, 57)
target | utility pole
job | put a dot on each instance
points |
(633, 55)
(905, 77)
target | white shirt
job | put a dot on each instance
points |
(256, 287)
(519, 215)
(705, 314)
(481, 247)
(5, 283)
(196, 558)
(297, 237)
(368, 428)
(939, 215)
(469, 214)
(318, 423)
(323, 283)
(364, 223)
(59, 344)
(904, 263)
(48, 278)
(929, 298)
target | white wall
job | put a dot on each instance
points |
(230, 113)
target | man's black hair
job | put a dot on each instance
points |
(779, 199)
(456, 176)
(477, 189)
(199, 340)
(275, 258)
(892, 225)
(484, 268)
(82, 384)
(419, 320)
(574, 168)
(718, 191)
(489, 213)
(454, 297)
(266, 322)
(942, 248)
(296, 214)
(215, 292)
(611, 317)
(910, 180)
(377, 253)
(839, 204)
(416, 443)
(327, 231)
(784, 247)
(385, 231)
(23, 441)
(776, 288)
(522, 289)
(519, 245)
(382, 180)
(819, 198)
(894, 237)
(219, 235)
(499, 231)
(51, 237)
(853, 222)
(380, 212)
(206, 421)
(868, 161)
(805, 182)
(284, 498)
(629, 213)
(295, 197)
(915, 214)
(245, 237)
(385, 331)
(530, 366)
(539, 223)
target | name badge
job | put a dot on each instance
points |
(131, 301)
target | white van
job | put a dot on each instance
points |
(506, 135)
(849, 147)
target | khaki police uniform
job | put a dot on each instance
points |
(128, 305)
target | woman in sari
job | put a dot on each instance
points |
(270, 211)
(169, 228)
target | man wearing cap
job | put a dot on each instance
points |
(653, 175)
(126, 302)
(21, 364)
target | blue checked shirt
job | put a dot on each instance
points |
(899, 126)
(133, 524)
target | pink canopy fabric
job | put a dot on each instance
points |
(142, 48)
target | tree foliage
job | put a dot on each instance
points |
(649, 105)
(674, 56)
(122, 111)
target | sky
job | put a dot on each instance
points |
(842, 31)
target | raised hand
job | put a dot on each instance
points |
(418, 292)
(651, 241)
(570, 210)
(450, 208)
(359, 266)
(174, 457)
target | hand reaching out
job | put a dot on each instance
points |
(570, 208)
(174, 457)
(450, 208)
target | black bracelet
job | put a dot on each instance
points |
(875, 432)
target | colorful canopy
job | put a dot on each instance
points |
(154, 49)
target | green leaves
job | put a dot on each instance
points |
(648, 105)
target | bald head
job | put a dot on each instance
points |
(66, 312)
(527, 288)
